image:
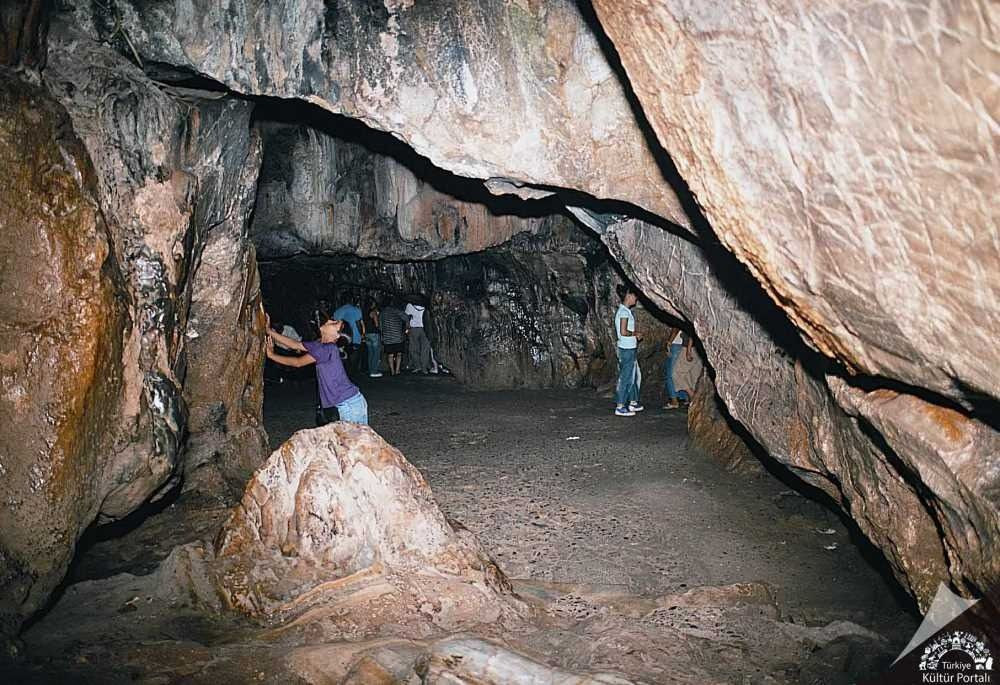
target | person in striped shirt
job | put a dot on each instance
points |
(394, 325)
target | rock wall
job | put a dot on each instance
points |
(115, 187)
(848, 158)
(534, 312)
(917, 478)
(845, 156)
(334, 187)
(522, 85)
(60, 324)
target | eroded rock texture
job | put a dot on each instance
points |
(319, 193)
(793, 403)
(518, 298)
(848, 157)
(535, 312)
(518, 92)
(336, 511)
(60, 331)
(115, 190)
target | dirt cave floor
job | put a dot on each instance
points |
(575, 504)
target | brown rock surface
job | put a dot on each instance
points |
(23, 28)
(848, 157)
(116, 189)
(60, 332)
(787, 401)
(338, 528)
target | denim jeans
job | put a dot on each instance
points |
(373, 346)
(627, 390)
(669, 389)
(354, 409)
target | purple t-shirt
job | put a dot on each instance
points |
(334, 385)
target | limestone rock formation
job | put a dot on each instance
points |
(333, 521)
(549, 112)
(60, 332)
(793, 403)
(223, 387)
(118, 186)
(847, 157)
(533, 312)
(321, 194)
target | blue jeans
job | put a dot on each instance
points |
(354, 409)
(627, 390)
(373, 346)
(669, 389)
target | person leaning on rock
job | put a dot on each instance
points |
(335, 388)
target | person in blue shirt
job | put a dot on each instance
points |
(354, 319)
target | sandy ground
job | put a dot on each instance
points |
(559, 491)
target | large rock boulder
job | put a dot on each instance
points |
(847, 157)
(338, 531)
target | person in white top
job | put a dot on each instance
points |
(678, 341)
(627, 392)
(420, 346)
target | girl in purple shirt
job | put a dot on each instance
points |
(335, 388)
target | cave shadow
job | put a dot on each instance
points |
(102, 532)
(375, 142)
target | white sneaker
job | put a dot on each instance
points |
(375, 375)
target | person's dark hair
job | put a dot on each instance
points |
(623, 290)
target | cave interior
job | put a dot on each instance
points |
(184, 177)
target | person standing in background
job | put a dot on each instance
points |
(679, 341)
(350, 314)
(420, 346)
(627, 392)
(393, 324)
(373, 342)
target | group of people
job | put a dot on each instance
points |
(385, 328)
(630, 375)
(342, 336)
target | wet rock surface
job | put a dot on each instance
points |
(60, 334)
(99, 284)
(628, 565)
